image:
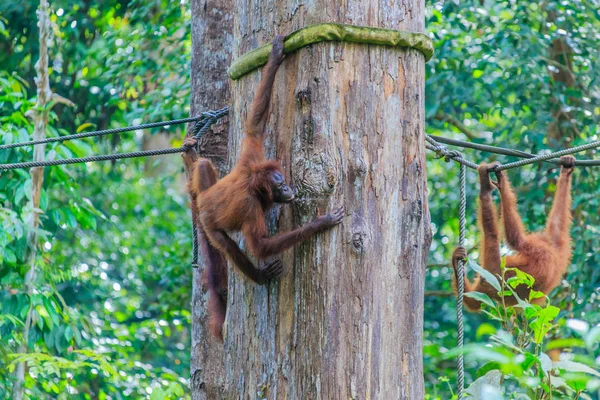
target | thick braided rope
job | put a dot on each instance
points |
(100, 133)
(441, 151)
(195, 263)
(205, 116)
(545, 157)
(104, 157)
(203, 123)
(461, 282)
(506, 152)
(201, 127)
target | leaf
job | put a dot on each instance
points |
(520, 278)
(593, 337)
(49, 338)
(488, 276)
(59, 339)
(543, 323)
(69, 333)
(487, 368)
(84, 126)
(558, 382)
(485, 329)
(9, 257)
(487, 387)
(565, 343)
(40, 323)
(546, 362)
(534, 294)
(578, 326)
(482, 297)
(522, 304)
(572, 366)
(481, 352)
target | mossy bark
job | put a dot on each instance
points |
(337, 33)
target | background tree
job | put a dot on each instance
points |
(212, 43)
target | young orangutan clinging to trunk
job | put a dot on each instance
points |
(544, 255)
(239, 200)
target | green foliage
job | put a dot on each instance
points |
(521, 75)
(110, 306)
(110, 303)
(517, 351)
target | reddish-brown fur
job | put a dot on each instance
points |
(238, 202)
(544, 255)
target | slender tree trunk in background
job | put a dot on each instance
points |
(39, 116)
(212, 27)
(346, 318)
(561, 58)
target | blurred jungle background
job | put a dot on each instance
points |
(112, 294)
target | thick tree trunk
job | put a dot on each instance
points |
(346, 318)
(212, 28)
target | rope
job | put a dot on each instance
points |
(461, 282)
(448, 155)
(548, 156)
(203, 123)
(504, 151)
(205, 116)
(442, 152)
(99, 133)
(198, 130)
(104, 157)
(195, 263)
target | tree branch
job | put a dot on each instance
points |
(57, 98)
(438, 293)
(442, 116)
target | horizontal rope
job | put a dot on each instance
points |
(98, 133)
(333, 32)
(209, 114)
(504, 151)
(548, 156)
(104, 157)
(203, 123)
(448, 155)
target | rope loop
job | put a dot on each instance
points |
(452, 155)
(440, 153)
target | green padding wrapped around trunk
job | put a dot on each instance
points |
(333, 32)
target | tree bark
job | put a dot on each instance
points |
(346, 318)
(212, 29)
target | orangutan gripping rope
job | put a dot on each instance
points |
(544, 255)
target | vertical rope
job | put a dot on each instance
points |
(201, 126)
(442, 152)
(461, 283)
(195, 244)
